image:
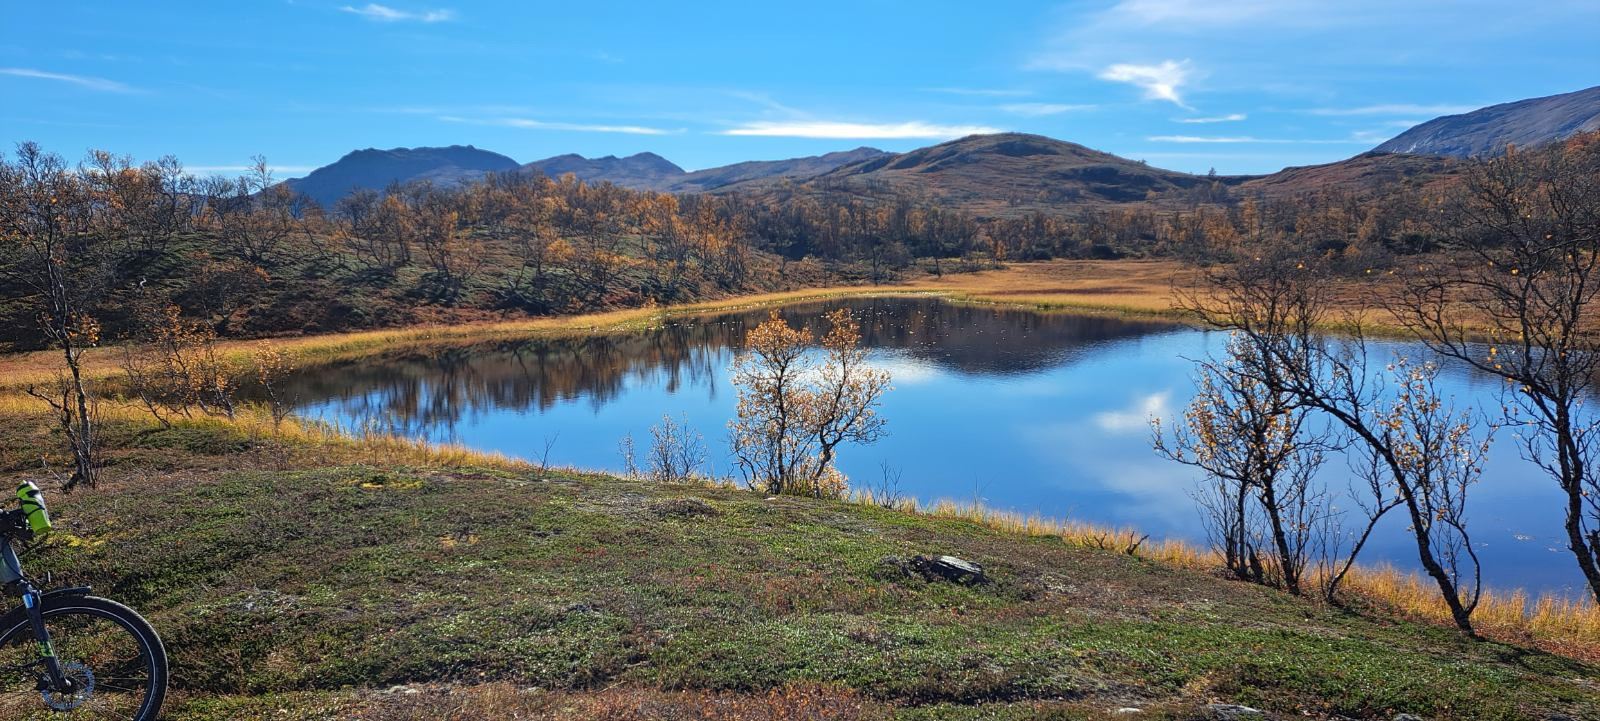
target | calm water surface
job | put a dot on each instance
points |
(1043, 413)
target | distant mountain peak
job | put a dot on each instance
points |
(375, 169)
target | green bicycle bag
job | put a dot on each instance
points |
(33, 507)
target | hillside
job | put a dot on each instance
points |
(1370, 171)
(296, 576)
(992, 173)
(758, 170)
(376, 169)
(1487, 131)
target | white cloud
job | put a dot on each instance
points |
(1229, 118)
(384, 13)
(1397, 109)
(1245, 139)
(904, 371)
(86, 81)
(546, 125)
(1137, 417)
(1160, 82)
(857, 131)
(1035, 110)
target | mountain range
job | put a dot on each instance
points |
(458, 164)
(992, 174)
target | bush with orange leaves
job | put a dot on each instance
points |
(796, 407)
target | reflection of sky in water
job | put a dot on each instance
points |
(1022, 413)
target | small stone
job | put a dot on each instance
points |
(1128, 710)
(1406, 717)
(1232, 712)
(948, 568)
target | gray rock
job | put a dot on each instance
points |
(949, 568)
(937, 568)
(1406, 717)
(1233, 712)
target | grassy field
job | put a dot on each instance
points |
(303, 576)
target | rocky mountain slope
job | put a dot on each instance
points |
(1487, 131)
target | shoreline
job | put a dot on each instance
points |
(1136, 289)
(1043, 282)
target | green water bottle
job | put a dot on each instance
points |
(33, 507)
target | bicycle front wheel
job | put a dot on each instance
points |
(114, 658)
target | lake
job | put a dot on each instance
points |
(1042, 413)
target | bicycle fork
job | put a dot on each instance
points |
(33, 602)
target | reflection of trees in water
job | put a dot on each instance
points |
(977, 339)
(429, 391)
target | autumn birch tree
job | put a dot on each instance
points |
(794, 410)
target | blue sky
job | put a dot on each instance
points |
(1246, 86)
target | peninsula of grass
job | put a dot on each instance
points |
(297, 576)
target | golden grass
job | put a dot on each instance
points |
(1139, 287)
(255, 422)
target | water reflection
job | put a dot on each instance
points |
(1034, 412)
(420, 392)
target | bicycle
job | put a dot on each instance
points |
(77, 655)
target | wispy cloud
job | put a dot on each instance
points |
(1396, 109)
(982, 92)
(1229, 118)
(83, 81)
(530, 124)
(1041, 109)
(384, 13)
(1159, 82)
(1233, 139)
(1137, 417)
(857, 131)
